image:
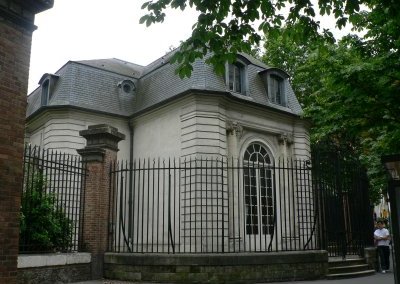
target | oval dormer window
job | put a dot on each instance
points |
(127, 87)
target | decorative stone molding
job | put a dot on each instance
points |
(285, 138)
(234, 128)
(92, 154)
(102, 136)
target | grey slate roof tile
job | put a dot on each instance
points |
(93, 85)
(116, 66)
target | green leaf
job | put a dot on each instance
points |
(145, 5)
(143, 19)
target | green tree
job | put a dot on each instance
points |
(43, 226)
(226, 27)
(350, 93)
(358, 101)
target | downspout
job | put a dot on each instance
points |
(130, 143)
(130, 191)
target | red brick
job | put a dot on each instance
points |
(15, 44)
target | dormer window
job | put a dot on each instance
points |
(274, 81)
(235, 77)
(127, 87)
(45, 93)
(276, 91)
(47, 83)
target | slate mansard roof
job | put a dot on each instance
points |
(94, 85)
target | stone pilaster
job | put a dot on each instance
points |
(234, 132)
(99, 154)
(285, 140)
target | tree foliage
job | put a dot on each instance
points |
(226, 27)
(350, 93)
(43, 226)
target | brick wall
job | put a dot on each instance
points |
(14, 67)
(16, 26)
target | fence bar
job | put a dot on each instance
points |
(51, 205)
(181, 206)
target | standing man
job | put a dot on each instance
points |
(382, 239)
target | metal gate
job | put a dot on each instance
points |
(346, 212)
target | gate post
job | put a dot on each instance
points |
(100, 152)
(16, 28)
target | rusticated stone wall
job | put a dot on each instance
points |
(217, 268)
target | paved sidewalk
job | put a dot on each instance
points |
(377, 278)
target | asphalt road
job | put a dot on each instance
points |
(377, 278)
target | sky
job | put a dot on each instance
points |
(94, 29)
(97, 29)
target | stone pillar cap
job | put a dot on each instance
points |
(103, 129)
(102, 136)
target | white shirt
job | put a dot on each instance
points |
(382, 233)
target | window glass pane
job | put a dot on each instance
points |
(276, 91)
(45, 93)
(273, 89)
(258, 192)
(231, 76)
(235, 74)
(253, 158)
(238, 82)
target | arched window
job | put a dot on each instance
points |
(258, 191)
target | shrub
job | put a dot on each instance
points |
(44, 226)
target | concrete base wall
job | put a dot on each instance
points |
(371, 258)
(217, 268)
(54, 268)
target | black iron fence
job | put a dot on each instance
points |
(51, 205)
(212, 206)
(346, 210)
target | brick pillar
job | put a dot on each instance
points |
(100, 152)
(16, 27)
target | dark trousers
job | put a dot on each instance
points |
(383, 253)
